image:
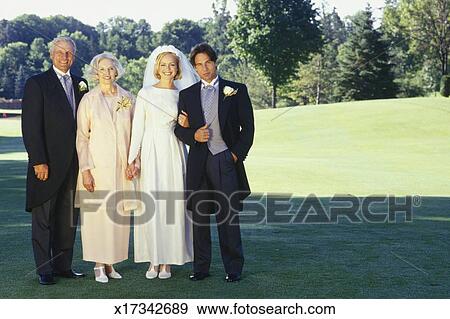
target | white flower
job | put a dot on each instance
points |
(229, 91)
(82, 86)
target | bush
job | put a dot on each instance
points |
(445, 85)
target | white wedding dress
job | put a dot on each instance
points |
(167, 237)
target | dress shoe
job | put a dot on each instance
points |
(47, 279)
(232, 278)
(100, 275)
(113, 274)
(164, 272)
(69, 274)
(198, 276)
(152, 272)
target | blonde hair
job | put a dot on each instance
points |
(158, 61)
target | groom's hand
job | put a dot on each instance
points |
(202, 134)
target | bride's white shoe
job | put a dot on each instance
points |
(152, 273)
(114, 274)
(100, 274)
(164, 274)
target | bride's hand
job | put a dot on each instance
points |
(183, 119)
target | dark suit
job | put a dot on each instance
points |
(49, 132)
(217, 172)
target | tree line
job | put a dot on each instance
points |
(287, 51)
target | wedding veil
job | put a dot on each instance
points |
(188, 74)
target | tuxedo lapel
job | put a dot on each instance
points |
(197, 104)
(56, 86)
(224, 106)
(76, 91)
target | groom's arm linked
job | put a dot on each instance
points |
(185, 134)
(246, 122)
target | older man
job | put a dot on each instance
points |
(49, 108)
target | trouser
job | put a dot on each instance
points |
(54, 226)
(219, 183)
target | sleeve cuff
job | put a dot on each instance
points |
(85, 168)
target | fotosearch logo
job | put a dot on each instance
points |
(287, 209)
(257, 209)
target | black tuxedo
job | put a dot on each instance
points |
(206, 171)
(237, 128)
(49, 133)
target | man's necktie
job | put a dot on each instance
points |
(208, 103)
(68, 88)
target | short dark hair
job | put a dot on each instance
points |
(202, 48)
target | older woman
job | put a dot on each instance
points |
(103, 135)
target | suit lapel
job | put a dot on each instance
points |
(224, 106)
(56, 86)
(76, 91)
(197, 103)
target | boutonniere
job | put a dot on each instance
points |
(229, 91)
(124, 103)
(82, 87)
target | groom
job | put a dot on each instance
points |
(220, 134)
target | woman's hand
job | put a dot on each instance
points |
(88, 181)
(183, 119)
(133, 170)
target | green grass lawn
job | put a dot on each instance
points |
(397, 147)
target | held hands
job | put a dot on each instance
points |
(41, 172)
(202, 134)
(88, 180)
(183, 119)
(133, 170)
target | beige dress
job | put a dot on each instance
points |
(103, 138)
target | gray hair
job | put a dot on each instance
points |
(93, 66)
(57, 40)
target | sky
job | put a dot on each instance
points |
(156, 12)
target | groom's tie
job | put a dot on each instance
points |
(208, 109)
(68, 88)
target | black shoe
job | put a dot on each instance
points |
(47, 279)
(198, 276)
(232, 278)
(69, 274)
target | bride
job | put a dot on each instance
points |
(164, 236)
